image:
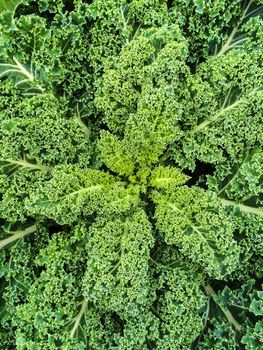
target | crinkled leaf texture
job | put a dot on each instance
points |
(117, 277)
(73, 192)
(195, 221)
(131, 158)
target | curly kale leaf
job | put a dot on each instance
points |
(242, 308)
(117, 277)
(216, 27)
(239, 183)
(45, 142)
(48, 58)
(167, 178)
(143, 76)
(72, 192)
(8, 9)
(195, 221)
(17, 272)
(180, 303)
(16, 190)
(224, 111)
(55, 318)
(118, 22)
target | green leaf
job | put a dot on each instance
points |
(114, 156)
(9, 5)
(167, 178)
(24, 77)
(194, 221)
(73, 192)
(199, 6)
(7, 9)
(237, 37)
(117, 276)
(257, 307)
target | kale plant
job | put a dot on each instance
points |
(131, 168)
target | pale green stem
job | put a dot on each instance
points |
(26, 164)
(80, 122)
(174, 207)
(222, 111)
(26, 73)
(227, 46)
(125, 23)
(17, 235)
(242, 207)
(82, 190)
(198, 232)
(23, 70)
(235, 176)
(79, 318)
(168, 180)
(210, 292)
